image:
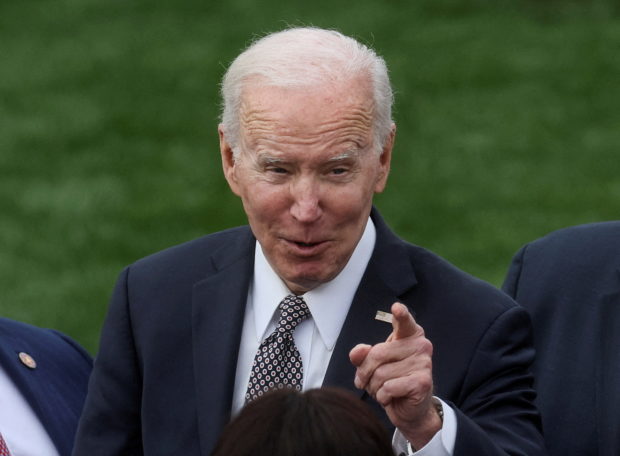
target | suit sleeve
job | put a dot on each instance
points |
(110, 423)
(496, 413)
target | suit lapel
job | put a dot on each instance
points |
(387, 278)
(218, 306)
(218, 311)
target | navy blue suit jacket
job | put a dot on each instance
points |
(570, 283)
(163, 380)
(56, 388)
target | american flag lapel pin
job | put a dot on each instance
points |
(383, 316)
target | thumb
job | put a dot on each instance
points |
(403, 323)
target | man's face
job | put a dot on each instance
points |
(306, 173)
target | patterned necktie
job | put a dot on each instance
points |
(277, 363)
(4, 450)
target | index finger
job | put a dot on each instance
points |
(403, 323)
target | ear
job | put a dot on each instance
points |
(385, 160)
(228, 161)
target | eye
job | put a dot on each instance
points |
(339, 171)
(277, 170)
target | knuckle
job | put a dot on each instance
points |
(374, 388)
(383, 396)
(381, 373)
(425, 383)
(380, 351)
(426, 346)
(362, 375)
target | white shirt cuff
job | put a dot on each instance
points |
(442, 443)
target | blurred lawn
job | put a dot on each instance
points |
(508, 120)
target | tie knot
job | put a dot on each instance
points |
(293, 310)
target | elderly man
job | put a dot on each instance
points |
(196, 331)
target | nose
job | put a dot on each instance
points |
(306, 202)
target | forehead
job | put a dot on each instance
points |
(343, 108)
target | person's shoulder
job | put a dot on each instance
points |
(593, 242)
(440, 273)
(197, 253)
(446, 297)
(445, 292)
(566, 260)
(440, 281)
(19, 329)
(49, 340)
(590, 232)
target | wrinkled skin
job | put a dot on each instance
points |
(306, 172)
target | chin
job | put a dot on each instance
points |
(307, 282)
(300, 287)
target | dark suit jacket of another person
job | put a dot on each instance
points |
(569, 280)
(164, 377)
(56, 387)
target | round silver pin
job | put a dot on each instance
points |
(27, 360)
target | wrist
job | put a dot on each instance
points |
(424, 431)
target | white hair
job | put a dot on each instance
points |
(302, 57)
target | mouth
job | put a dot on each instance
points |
(303, 248)
(306, 244)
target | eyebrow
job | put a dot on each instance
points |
(352, 153)
(266, 159)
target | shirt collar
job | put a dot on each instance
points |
(329, 303)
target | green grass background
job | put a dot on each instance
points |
(508, 118)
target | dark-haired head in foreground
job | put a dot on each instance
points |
(326, 422)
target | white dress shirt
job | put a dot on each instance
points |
(20, 427)
(316, 337)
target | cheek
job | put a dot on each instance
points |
(351, 199)
(262, 202)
